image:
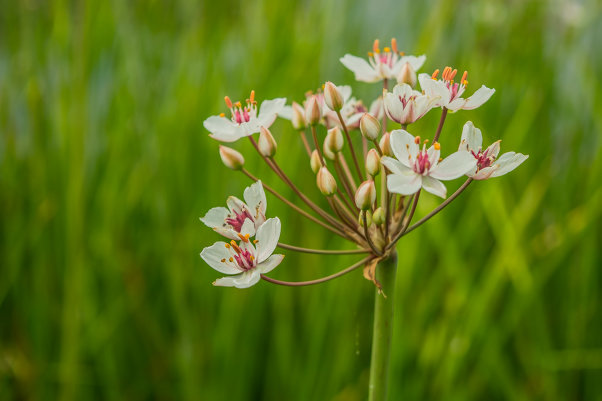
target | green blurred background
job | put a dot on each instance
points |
(105, 168)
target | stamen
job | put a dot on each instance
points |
(370, 54)
(244, 238)
(231, 260)
(394, 45)
(402, 54)
(464, 78)
(252, 97)
(255, 241)
(223, 260)
(387, 50)
(417, 140)
(453, 74)
(238, 104)
(228, 102)
(434, 76)
(222, 115)
(437, 146)
(227, 246)
(375, 48)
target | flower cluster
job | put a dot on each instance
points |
(369, 164)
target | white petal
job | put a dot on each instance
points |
(345, 91)
(433, 155)
(456, 104)
(269, 264)
(403, 90)
(415, 61)
(478, 98)
(471, 138)
(393, 107)
(508, 162)
(248, 227)
(360, 67)
(484, 173)
(286, 113)
(244, 280)
(215, 217)
(394, 165)
(453, 166)
(235, 204)
(223, 129)
(434, 186)
(255, 199)
(272, 106)
(435, 89)
(404, 184)
(214, 255)
(404, 146)
(267, 238)
(493, 149)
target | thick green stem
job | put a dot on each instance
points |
(383, 329)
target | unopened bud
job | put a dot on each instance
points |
(407, 75)
(314, 162)
(369, 126)
(298, 119)
(377, 109)
(372, 163)
(231, 158)
(378, 216)
(335, 139)
(369, 219)
(329, 154)
(312, 111)
(365, 195)
(267, 143)
(385, 145)
(333, 97)
(326, 182)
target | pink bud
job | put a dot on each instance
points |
(365, 195)
(231, 158)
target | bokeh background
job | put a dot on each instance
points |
(105, 168)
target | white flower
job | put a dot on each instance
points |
(245, 120)
(406, 105)
(244, 260)
(240, 220)
(385, 65)
(449, 92)
(488, 165)
(416, 168)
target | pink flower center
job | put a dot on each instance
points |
(238, 220)
(483, 159)
(422, 163)
(244, 258)
(242, 114)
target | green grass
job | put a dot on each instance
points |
(105, 168)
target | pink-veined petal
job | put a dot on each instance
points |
(453, 166)
(267, 238)
(361, 68)
(218, 257)
(404, 184)
(434, 186)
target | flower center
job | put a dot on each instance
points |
(455, 88)
(483, 159)
(242, 114)
(244, 258)
(388, 56)
(239, 218)
(422, 163)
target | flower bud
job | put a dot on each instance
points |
(312, 111)
(267, 143)
(368, 218)
(407, 75)
(385, 145)
(326, 182)
(314, 161)
(231, 158)
(369, 126)
(327, 152)
(379, 216)
(377, 109)
(298, 119)
(372, 163)
(365, 195)
(335, 139)
(332, 97)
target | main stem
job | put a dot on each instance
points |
(383, 329)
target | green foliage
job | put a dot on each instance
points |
(105, 168)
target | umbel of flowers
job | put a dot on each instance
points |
(369, 163)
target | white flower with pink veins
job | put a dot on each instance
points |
(239, 220)
(243, 261)
(244, 121)
(381, 65)
(488, 164)
(448, 91)
(405, 105)
(417, 168)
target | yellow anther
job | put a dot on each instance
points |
(227, 245)
(238, 104)
(465, 82)
(228, 102)
(402, 54)
(222, 115)
(387, 49)
(394, 45)
(437, 146)
(252, 257)
(255, 241)
(231, 260)
(244, 238)
(223, 260)
(440, 159)
(370, 54)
